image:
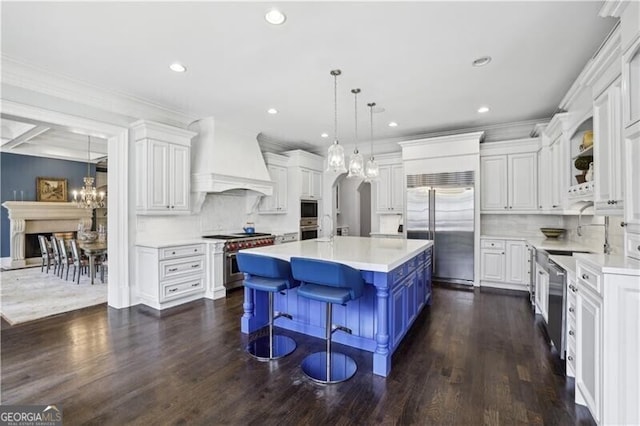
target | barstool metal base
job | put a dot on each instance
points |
(342, 367)
(261, 349)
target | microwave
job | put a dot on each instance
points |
(308, 209)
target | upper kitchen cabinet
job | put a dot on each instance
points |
(163, 168)
(557, 161)
(311, 184)
(276, 203)
(509, 180)
(608, 151)
(390, 189)
(632, 189)
(631, 83)
(581, 166)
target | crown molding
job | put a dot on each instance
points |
(19, 74)
(613, 8)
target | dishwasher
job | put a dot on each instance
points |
(557, 307)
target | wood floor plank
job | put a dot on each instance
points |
(474, 357)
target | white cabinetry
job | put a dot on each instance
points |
(311, 185)
(607, 338)
(390, 189)
(608, 151)
(509, 181)
(631, 86)
(504, 264)
(570, 315)
(542, 292)
(170, 275)
(632, 190)
(163, 168)
(277, 202)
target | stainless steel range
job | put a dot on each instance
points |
(232, 244)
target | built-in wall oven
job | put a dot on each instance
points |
(308, 210)
(308, 229)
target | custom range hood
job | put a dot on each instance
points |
(224, 159)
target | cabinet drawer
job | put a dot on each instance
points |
(178, 267)
(181, 251)
(179, 289)
(589, 278)
(399, 273)
(495, 244)
(633, 245)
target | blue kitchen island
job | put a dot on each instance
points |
(397, 273)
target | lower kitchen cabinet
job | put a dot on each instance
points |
(607, 339)
(504, 264)
(570, 315)
(170, 275)
(542, 292)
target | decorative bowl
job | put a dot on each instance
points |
(88, 236)
(582, 163)
(552, 232)
(587, 138)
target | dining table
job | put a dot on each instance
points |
(93, 250)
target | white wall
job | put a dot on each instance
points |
(350, 204)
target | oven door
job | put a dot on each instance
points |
(232, 276)
(308, 232)
(308, 209)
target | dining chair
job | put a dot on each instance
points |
(56, 255)
(65, 258)
(47, 253)
(80, 262)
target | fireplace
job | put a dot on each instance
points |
(30, 218)
(32, 245)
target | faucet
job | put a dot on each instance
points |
(331, 222)
(607, 246)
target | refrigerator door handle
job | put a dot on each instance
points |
(432, 225)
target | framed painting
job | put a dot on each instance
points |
(51, 189)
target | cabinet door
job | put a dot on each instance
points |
(493, 172)
(522, 181)
(632, 202)
(383, 190)
(316, 185)
(282, 189)
(492, 265)
(556, 174)
(180, 172)
(412, 298)
(398, 314)
(589, 349)
(158, 179)
(397, 188)
(269, 204)
(542, 292)
(305, 189)
(631, 76)
(517, 265)
(607, 150)
(544, 179)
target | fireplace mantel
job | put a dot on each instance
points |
(30, 217)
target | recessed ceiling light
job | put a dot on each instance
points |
(272, 111)
(177, 67)
(483, 109)
(324, 135)
(275, 17)
(481, 62)
(393, 124)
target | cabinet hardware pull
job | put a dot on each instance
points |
(570, 358)
(195, 284)
(173, 252)
(585, 276)
(502, 252)
(571, 310)
(173, 269)
(638, 248)
(571, 333)
(195, 265)
(623, 224)
(173, 290)
(540, 272)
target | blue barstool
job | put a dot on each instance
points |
(271, 275)
(331, 283)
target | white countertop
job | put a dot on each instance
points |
(568, 263)
(611, 264)
(367, 254)
(391, 234)
(549, 243)
(162, 243)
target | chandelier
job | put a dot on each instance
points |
(335, 155)
(88, 197)
(371, 170)
(356, 162)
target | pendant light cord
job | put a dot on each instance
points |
(355, 106)
(335, 106)
(89, 156)
(371, 105)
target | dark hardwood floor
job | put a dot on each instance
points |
(472, 358)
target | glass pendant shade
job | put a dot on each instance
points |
(356, 165)
(371, 171)
(335, 158)
(88, 197)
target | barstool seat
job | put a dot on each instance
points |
(271, 275)
(331, 283)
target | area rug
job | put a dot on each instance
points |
(28, 294)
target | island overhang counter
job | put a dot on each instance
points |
(397, 275)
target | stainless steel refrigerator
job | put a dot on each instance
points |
(440, 207)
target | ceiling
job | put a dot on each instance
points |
(412, 58)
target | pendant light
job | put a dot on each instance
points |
(335, 155)
(356, 161)
(89, 196)
(371, 171)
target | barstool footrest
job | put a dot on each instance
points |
(343, 367)
(281, 314)
(335, 328)
(261, 350)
